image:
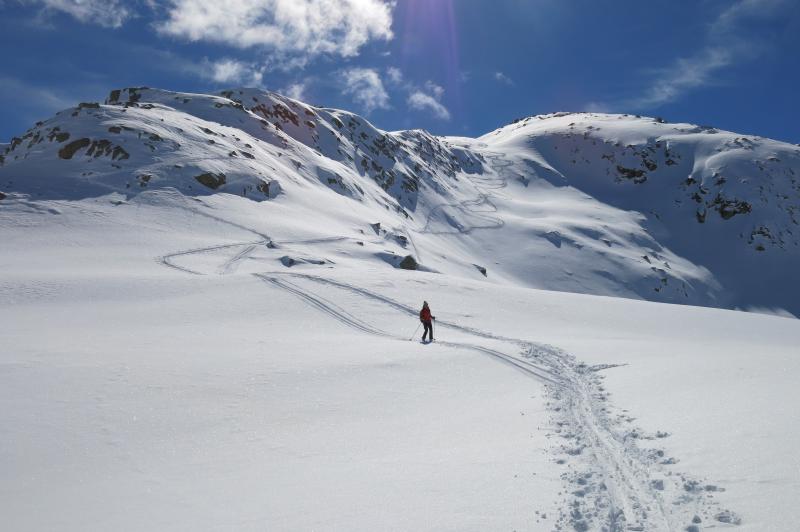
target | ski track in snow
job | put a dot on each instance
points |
(470, 208)
(620, 486)
(166, 260)
(232, 263)
(612, 484)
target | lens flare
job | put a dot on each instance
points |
(429, 33)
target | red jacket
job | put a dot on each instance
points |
(425, 314)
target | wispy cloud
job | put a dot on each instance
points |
(429, 100)
(502, 78)
(45, 98)
(233, 71)
(108, 13)
(366, 88)
(295, 90)
(685, 74)
(425, 97)
(33, 101)
(292, 27)
(728, 42)
(395, 75)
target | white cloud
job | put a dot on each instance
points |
(233, 71)
(293, 27)
(395, 75)
(422, 98)
(727, 44)
(421, 101)
(729, 20)
(683, 75)
(108, 13)
(366, 88)
(434, 89)
(295, 91)
(502, 78)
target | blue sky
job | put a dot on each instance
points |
(456, 67)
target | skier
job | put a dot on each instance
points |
(425, 317)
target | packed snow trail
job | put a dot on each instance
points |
(621, 487)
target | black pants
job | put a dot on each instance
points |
(428, 329)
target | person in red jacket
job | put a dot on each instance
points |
(425, 317)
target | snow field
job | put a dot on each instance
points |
(253, 394)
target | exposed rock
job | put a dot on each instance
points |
(99, 148)
(263, 187)
(69, 150)
(481, 269)
(728, 517)
(119, 153)
(634, 174)
(730, 208)
(409, 263)
(211, 180)
(56, 134)
(701, 215)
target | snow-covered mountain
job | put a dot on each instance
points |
(583, 202)
(205, 318)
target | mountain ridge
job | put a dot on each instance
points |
(584, 202)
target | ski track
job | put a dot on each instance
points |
(611, 482)
(469, 207)
(614, 490)
(166, 260)
(233, 263)
(338, 313)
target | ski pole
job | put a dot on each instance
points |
(415, 331)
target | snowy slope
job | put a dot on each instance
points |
(727, 201)
(601, 204)
(248, 395)
(205, 322)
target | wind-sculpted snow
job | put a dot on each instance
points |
(604, 204)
